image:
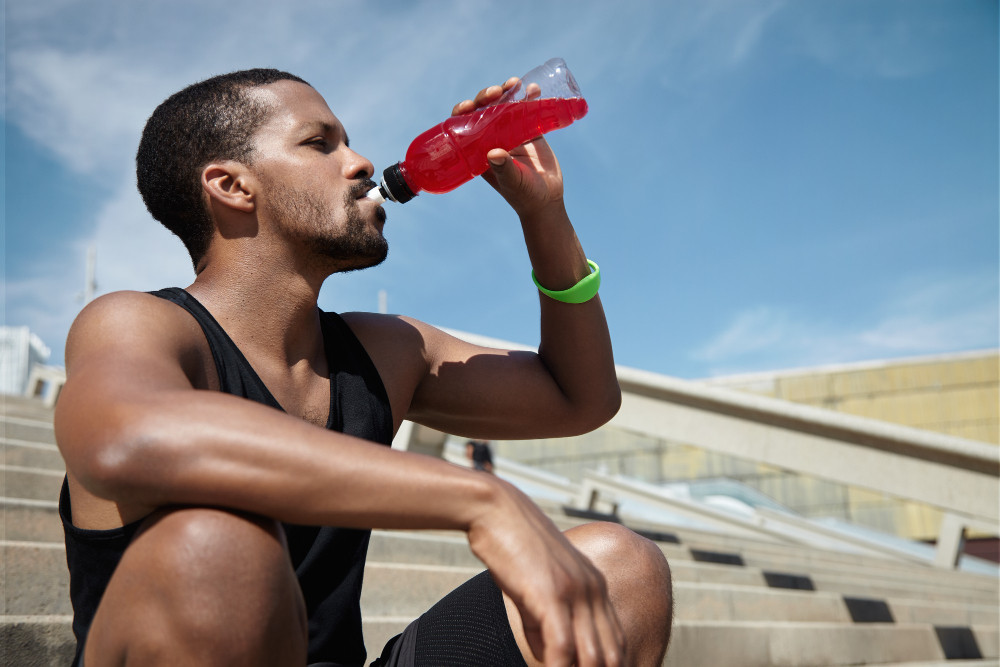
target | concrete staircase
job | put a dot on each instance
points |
(739, 602)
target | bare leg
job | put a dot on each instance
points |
(639, 585)
(201, 587)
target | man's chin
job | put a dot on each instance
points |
(361, 261)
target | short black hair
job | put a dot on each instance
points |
(214, 119)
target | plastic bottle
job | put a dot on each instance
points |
(454, 152)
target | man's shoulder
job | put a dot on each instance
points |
(127, 305)
(129, 316)
(377, 328)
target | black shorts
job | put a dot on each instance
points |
(467, 628)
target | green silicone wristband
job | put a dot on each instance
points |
(583, 291)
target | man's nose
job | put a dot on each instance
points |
(358, 166)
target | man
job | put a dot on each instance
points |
(479, 454)
(210, 432)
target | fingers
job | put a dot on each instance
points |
(584, 629)
(483, 98)
(487, 96)
(611, 635)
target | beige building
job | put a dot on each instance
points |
(952, 394)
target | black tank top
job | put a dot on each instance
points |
(328, 561)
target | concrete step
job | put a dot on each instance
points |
(726, 602)
(862, 585)
(925, 582)
(397, 589)
(422, 548)
(30, 483)
(810, 557)
(20, 406)
(36, 580)
(380, 629)
(36, 641)
(815, 559)
(945, 663)
(825, 561)
(944, 613)
(30, 430)
(31, 455)
(767, 644)
(31, 520)
(918, 602)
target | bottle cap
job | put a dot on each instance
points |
(395, 186)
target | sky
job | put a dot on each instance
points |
(765, 184)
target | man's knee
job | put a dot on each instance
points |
(638, 579)
(205, 581)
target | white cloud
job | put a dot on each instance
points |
(87, 108)
(929, 316)
(48, 299)
(751, 331)
(133, 250)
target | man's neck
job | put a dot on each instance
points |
(270, 310)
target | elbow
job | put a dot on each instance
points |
(105, 458)
(611, 404)
(110, 471)
(107, 469)
(599, 410)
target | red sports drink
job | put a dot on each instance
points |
(454, 152)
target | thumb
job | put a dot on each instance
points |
(505, 172)
(499, 159)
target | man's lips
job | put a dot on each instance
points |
(363, 188)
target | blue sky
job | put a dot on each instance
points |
(766, 184)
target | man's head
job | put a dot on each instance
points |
(215, 119)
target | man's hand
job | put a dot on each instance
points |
(528, 177)
(561, 597)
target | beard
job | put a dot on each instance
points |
(355, 245)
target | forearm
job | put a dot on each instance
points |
(204, 448)
(575, 341)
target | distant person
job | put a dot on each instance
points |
(480, 455)
(227, 444)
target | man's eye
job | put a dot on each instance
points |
(319, 142)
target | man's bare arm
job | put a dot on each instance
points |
(570, 386)
(134, 429)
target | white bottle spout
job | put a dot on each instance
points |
(376, 195)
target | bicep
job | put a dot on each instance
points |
(476, 391)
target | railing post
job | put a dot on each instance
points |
(588, 496)
(951, 539)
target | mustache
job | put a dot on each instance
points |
(360, 188)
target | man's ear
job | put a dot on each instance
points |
(228, 183)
